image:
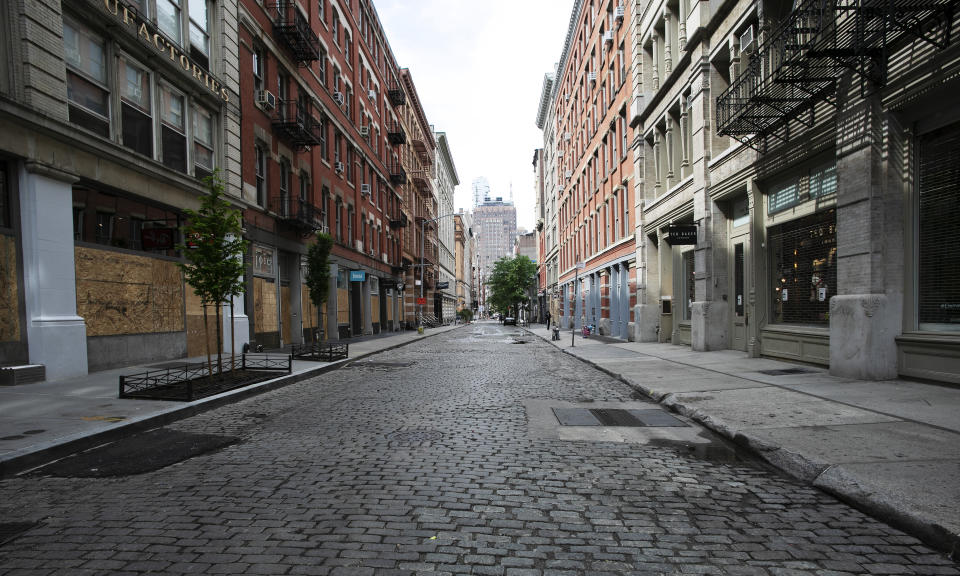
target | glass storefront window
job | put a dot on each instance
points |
(689, 283)
(804, 272)
(123, 222)
(938, 273)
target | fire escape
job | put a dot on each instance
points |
(294, 124)
(799, 64)
(293, 28)
(297, 213)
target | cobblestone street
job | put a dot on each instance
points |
(424, 459)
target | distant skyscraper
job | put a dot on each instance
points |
(496, 223)
(481, 191)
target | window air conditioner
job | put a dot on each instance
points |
(568, 174)
(324, 229)
(619, 14)
(747, 41)
(338, 166)
(372, 95)
(365, 189)
(608, 37)
(364, 131)
(592, 77)
(266, 99)
(338, 98)
(566, 136)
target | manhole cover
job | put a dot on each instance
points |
(136, 454)
(382, 365)
(415, 436)
(632, 418)
(11, 530)
(786, 371)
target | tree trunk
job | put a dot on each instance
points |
(206, 340)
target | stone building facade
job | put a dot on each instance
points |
(794, 182)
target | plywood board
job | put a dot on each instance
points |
(120, 293)
(9, 296)
(286, 315)
(265, 306)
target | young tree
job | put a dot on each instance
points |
(213, 249)
(318, 272)
(509, 281)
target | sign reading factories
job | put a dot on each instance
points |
(129, 16)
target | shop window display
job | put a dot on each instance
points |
(804, 271)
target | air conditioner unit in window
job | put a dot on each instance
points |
(372, 94)
(338, 166)
(608, 37)
(560, 154)
(747, 43)
(365, 189)
(364, 131)
(566, 136)
(619, 13)
(568, 174)
(324, 229)
(385, 259)
(266, 99)
(592, 77)
(338, 98)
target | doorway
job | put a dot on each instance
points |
(738, 284)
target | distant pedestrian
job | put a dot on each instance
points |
(548, 319)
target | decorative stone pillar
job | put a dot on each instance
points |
(56, 335)
(671, 160)
(655, 60)
(657, 162)
(667, 38)
(624, 300)
(684, 130)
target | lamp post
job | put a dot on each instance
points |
(422, 237)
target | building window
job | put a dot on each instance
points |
(821, 182)
(625, 203)
(78, 223)
(200, 32)
(86, 79)
(304, 186)
(169, 19)
(261, 169)
(104, 231)
(285, 184)
(202, 142)
(173, 139)
(258, 63)
(339, 222)
(324, 148)
(135, 109)
(350, 225)
(324, 207)
(938, 274)
(804, 253)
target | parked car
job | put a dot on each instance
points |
(510, 320)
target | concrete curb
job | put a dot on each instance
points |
(832, 479)
(17, 463)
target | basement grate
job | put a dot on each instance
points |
(631, 418)
(10, 531)
(786, 371)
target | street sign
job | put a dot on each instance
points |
(581, 265)
(358, 275)
(442, 285)
(682, 235)
(421, 301)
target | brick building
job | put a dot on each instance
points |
(591, 140)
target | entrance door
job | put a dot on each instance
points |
(738, 281)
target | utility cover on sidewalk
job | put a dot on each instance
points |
(615, 417)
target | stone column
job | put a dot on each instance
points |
(655, 51)
(624, 300)
(867, 312)
(671, 154)
(565, 317)
(56, 335)
(365, 302)
(667, 39)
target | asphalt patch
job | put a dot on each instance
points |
(136, 454)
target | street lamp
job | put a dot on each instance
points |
(422, 236)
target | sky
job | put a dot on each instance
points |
(478, 67)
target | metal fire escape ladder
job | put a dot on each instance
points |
(293, 28)
(798, 65)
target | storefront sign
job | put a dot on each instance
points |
(157, 238)
(442, 285)
(129, 16)
(357, 275)
(682, 235)
(263, 260)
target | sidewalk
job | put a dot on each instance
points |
(890, 448)
(43, 421)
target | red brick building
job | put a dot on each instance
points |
(595, 195)
(320, 96)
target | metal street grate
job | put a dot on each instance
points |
(786, 371)
(632, 418)
(12, 530)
